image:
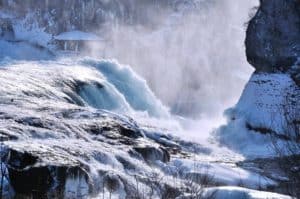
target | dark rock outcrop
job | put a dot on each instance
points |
(273, 36)
(152, 154)
(273, 47)
(45, 180)
(6, 29)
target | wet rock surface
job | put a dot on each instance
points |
(152, 154)
(52, 164)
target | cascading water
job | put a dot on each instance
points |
(181, 56)
(100, 84)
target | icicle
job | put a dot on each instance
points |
(76, 48)
(47, 4)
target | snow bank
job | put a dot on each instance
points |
(78, 36)
(264, 98)
(236, 136)
(242, 193)
(223, 173)
(259, 113)
(22, 51)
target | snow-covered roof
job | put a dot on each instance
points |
(78, 36)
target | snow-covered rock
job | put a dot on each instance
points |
(269, 104)
(266, 108)
(265, 101)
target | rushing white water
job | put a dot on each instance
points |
(193, 59)
(101, 84)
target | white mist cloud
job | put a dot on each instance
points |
(193, 60)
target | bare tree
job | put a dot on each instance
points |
(112, 183)
(286, 145)
(3, 170)
(154, 179)
(198, 182)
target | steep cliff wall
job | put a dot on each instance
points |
(269, 104)
(273, 36)
(273, 48)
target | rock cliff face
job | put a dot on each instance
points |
(273, 36)
(270, 100)
(273, 47)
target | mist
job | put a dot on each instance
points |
(193, 58)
